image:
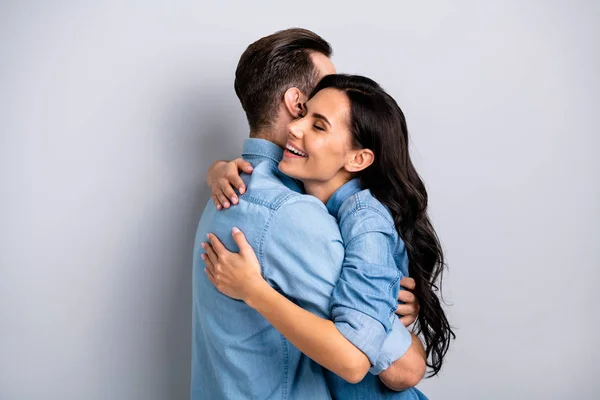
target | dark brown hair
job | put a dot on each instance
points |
(272, 65)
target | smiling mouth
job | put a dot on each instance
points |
(295, 151)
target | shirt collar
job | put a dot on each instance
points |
(263, 148)
(348, 189)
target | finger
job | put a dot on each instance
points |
(408, 283)
(244, 165)
(237, 180)
(222, 199)
(215, 200)
(209, 265)
(404, 310)
(406, 296)
(217, 245)
(407, 320)
(230, 193)
(238, 183)
(240, 240)
(210, 276)
(214, 258)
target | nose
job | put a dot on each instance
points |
(295, 129)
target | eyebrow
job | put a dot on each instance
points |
(317, 115)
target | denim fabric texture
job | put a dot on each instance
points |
(236, 353)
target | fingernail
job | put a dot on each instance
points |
(235, 230)
(234, 200)
(249, 168)
(203, 256)
(203, 245)
(219, 207)
(242, 190)
(205, 271)
(208, 235)
(226, 204)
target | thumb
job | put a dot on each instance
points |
(240, 240)
(244, 165)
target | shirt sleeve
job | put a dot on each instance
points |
(303, 254)
(365, 297)
(394, 346)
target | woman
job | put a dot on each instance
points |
(350, 149)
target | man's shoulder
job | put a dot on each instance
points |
(268, 187)
(306, 201)
(302, 215)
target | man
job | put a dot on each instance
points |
(236, 353)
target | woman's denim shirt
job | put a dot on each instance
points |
(375, 261)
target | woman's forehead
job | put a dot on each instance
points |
(331, 103)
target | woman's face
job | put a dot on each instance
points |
(319, 143)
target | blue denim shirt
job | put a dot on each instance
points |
(375, 262)
(236, 353)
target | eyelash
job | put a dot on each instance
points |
(318, 128)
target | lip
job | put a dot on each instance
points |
(288, 153)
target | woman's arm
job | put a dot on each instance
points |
(408, 370)
(365, 298)
(237, 275)
(314, 336)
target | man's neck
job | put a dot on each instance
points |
(266, 134)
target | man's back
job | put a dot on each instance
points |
(236, 352)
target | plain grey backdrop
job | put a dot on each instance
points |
(111, 113)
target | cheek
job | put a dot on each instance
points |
(328, 158)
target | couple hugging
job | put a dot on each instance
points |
(301, 254)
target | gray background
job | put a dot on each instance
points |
(110, 115)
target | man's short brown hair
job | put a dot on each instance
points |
(272, 65)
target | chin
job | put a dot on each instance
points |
(288, 169)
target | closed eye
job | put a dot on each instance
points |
(317, 127)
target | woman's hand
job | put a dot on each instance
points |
(222, 177)
(408, 311)
(236, 275)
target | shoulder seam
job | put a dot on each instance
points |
(272, 205)
(361, 206)
(284, 200)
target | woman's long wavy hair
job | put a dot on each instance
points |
(377, 123)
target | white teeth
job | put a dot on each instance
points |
(294, 150)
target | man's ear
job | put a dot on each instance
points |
(294, 101)
(359, 160)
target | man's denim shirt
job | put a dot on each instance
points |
(236, 353)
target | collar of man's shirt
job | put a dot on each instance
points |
(348, 189)
(263, 148)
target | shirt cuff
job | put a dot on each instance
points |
(394, 346)
(361, 330)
